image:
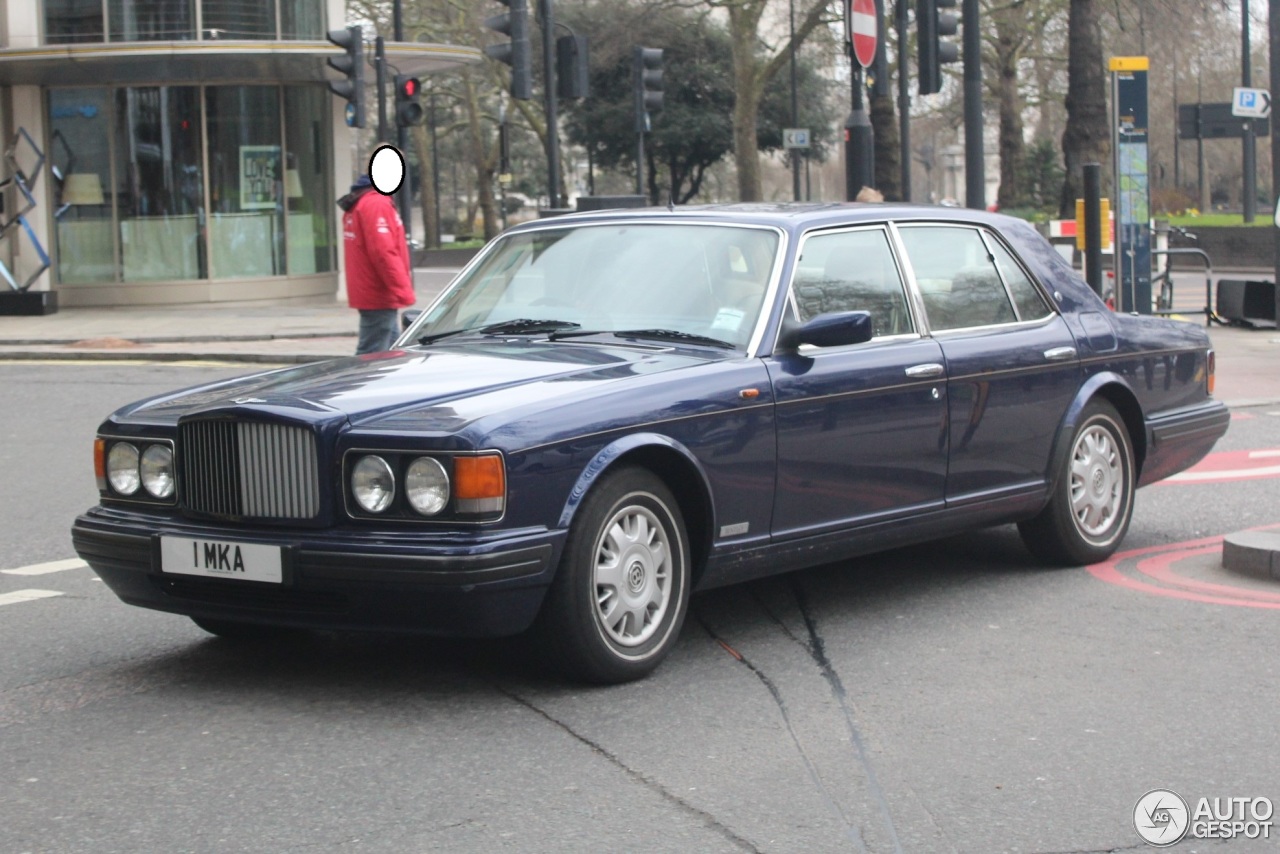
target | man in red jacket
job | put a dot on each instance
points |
(377, 264)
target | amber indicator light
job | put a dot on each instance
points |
(479, 477)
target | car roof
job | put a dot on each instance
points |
(790, 216)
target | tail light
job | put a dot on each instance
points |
(1211, 366)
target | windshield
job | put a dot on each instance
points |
(700, 280)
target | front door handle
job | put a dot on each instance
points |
(926, 372)
(1060, 354)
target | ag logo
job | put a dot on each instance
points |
(1161, 817)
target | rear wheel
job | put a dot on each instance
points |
(1089, 511)
(619, 597)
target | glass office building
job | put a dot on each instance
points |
(194, 152)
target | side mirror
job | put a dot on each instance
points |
(837, 329)
(408, 317)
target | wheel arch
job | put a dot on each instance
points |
(1114, 390)
(676, 466)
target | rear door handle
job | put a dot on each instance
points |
(926, 372)
(1060, 354)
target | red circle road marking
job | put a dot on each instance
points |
(1155, 562)
(1226, 466)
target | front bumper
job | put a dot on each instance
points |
(457, 584)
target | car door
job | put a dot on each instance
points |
(861, 429)
(1012, 364)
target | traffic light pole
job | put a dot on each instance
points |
(549, 78)
(904, 100)
(402, 143)
(380, 72)
(975, 181)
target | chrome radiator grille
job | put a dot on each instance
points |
(248, 469)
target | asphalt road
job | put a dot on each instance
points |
(951, 697)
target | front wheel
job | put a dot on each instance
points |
(1092, 502)
(619, 598)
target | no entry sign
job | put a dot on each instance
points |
(863, 30)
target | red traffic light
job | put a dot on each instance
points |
(409, 87)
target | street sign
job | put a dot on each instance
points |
(795, 137)
(864, 28)
(1250, 103)
(1214, 121)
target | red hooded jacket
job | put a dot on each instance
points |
(377, 257)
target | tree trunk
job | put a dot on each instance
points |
(1087, 136)
(747, 85)
(483, 158)
(427, 181)
(888, 151)
(1009, 38)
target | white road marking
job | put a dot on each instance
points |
(26, 596)
(1257, 455)
(1227, 474)
(46, 568)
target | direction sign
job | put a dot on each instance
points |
(795, 137)
(864, 28)
(1250, 103)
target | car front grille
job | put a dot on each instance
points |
(248, 469)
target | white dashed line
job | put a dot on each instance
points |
(26, 596)
(46, 568)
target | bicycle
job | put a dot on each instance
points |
(1164, 296)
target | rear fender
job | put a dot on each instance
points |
(1115, 390)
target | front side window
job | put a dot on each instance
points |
(702, 280)
(852, 271)
(957, 276)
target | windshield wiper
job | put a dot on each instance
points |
(654, 334)
(519, 326)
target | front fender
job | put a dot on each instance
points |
(627, 446)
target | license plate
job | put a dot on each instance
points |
(221, 559)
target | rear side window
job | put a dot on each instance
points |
(1031, 305)
(958, 279)
(852, 271)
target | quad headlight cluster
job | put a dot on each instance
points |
(131, 469)
(391, 484)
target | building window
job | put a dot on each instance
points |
(238, 19)
(152, 20)
(67, 21)
(159, 191)
(173, 183)
(308, 194)
(246, 181)
(80, 158)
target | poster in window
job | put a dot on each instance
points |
(259, 177)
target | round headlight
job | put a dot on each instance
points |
(157, 471)
(373, 484)
(427, 485)
(122, 468)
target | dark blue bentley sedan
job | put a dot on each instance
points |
(605, 412)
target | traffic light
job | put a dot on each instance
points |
(647, 79)
(408, 108)
(571, 67)
(931, 25)
(515, 52)
(350, 39)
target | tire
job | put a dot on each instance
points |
(619, 598)
(241, 632)
(1088, 514)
